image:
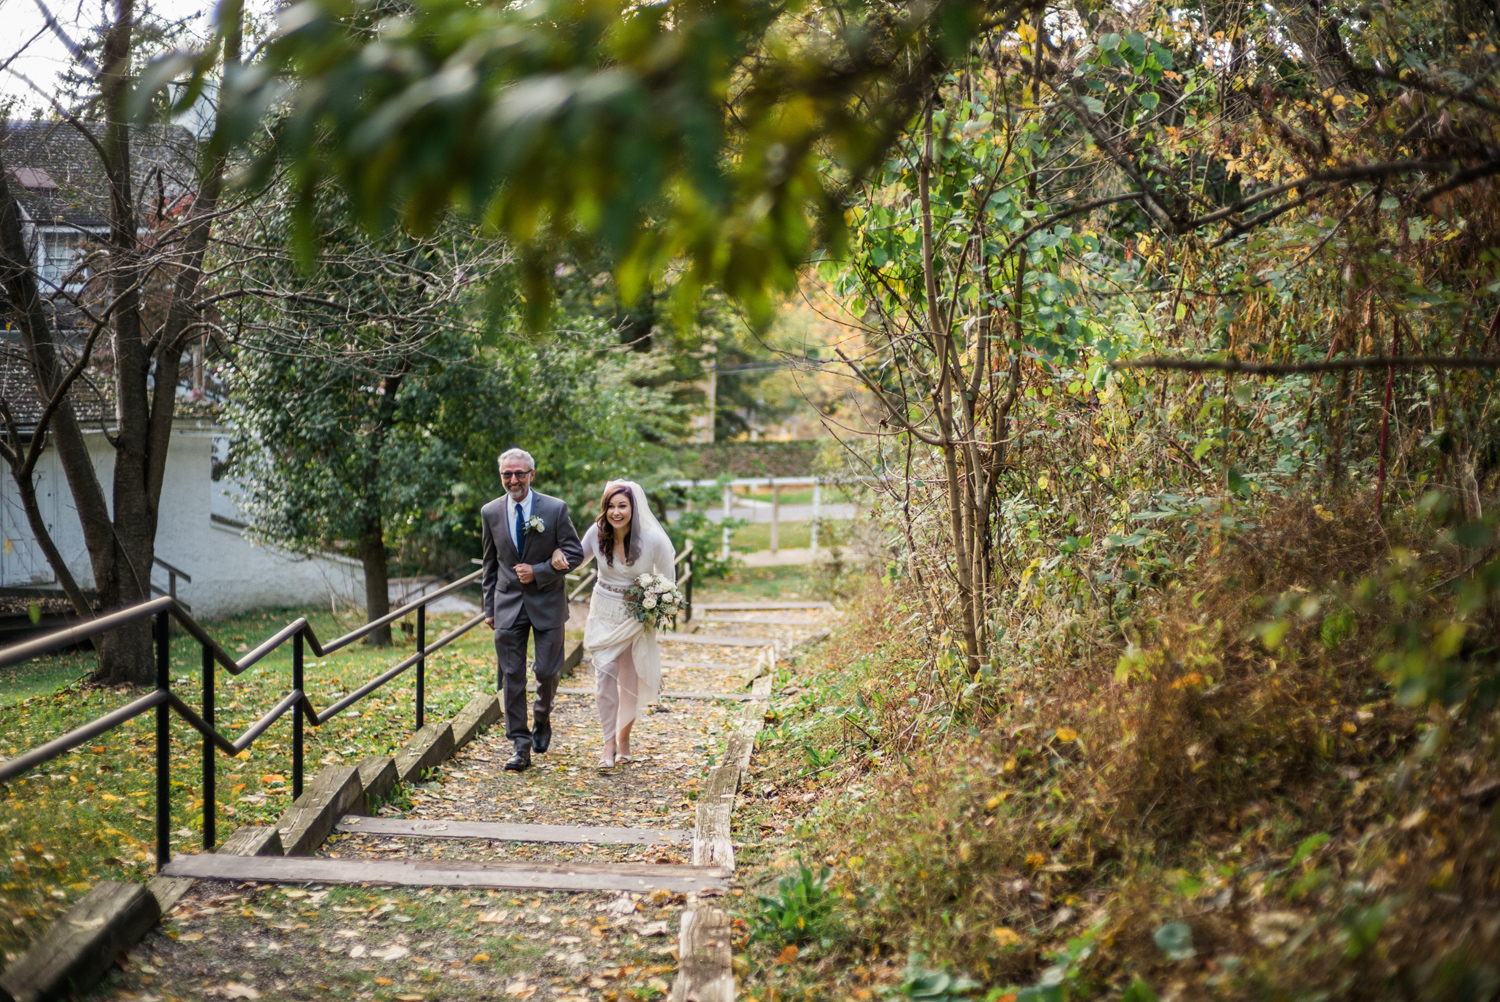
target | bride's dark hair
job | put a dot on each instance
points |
(607, 531)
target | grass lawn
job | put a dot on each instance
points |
(790, 535)
(36, 678)
(802, 495)
(753, 584)
(88, 815)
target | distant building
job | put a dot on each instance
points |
(55, 175)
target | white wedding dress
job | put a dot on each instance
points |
(627, 659)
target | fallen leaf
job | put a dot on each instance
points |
(652, 929)
(393, 952)
(412, 998)
(788, 955)
(384, 981)
(480, 958)
(521, 990)
(493, 917)
(357, 952)
(1067, 734)
(234, 990)
(190, 937)
(1005, 936)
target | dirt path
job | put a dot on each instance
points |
(259, 941)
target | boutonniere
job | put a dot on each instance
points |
(535, 524)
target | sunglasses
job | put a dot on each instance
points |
(510, 475)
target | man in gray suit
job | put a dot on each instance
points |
(524, 593)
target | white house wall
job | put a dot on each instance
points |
(230, 573)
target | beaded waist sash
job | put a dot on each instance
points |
(612, 589)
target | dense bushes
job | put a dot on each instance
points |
(1246, 765)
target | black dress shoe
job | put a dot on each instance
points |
(518, 762)
(541, 735)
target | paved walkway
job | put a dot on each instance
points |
(255, 940)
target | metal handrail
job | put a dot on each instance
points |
(164, 701)
(173, 573)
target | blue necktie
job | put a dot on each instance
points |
(520, 530)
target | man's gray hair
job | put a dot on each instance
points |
(516, 454)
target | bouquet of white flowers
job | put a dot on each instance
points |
(653, 600)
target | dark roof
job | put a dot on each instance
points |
(57, 177)
(18, 389)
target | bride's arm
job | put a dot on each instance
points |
(590, 544)
(665, 558)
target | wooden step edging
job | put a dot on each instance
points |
(760, 606)
(634, 877)
(571, 834)
(705, 967)
(77, 951)
(81, 945)
(738, 697)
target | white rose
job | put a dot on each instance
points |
(650, 602)
(643, 580)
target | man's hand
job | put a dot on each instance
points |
(489, 621)
(559, 561)
(525, 573)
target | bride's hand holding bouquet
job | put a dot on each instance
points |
(653, 599)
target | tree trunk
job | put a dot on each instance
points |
(125, 655)
(377, 580)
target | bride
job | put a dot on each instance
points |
(627, 541)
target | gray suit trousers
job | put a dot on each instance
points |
(510, 652)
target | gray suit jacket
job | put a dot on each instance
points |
(545, 599)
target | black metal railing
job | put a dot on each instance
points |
(173, 573)
(164, 701)
(302, 637)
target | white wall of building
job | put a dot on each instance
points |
(229, 572)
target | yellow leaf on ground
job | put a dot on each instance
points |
(1067, 734)
(788, 955)
(190, 937)
(480, 958)
(1035, 859)
(1005, 936)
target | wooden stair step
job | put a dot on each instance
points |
(762, 606)
(429, 828)
(670, 663)
(708, 638)
(811, 624)
(738, 696)
(636, 877)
